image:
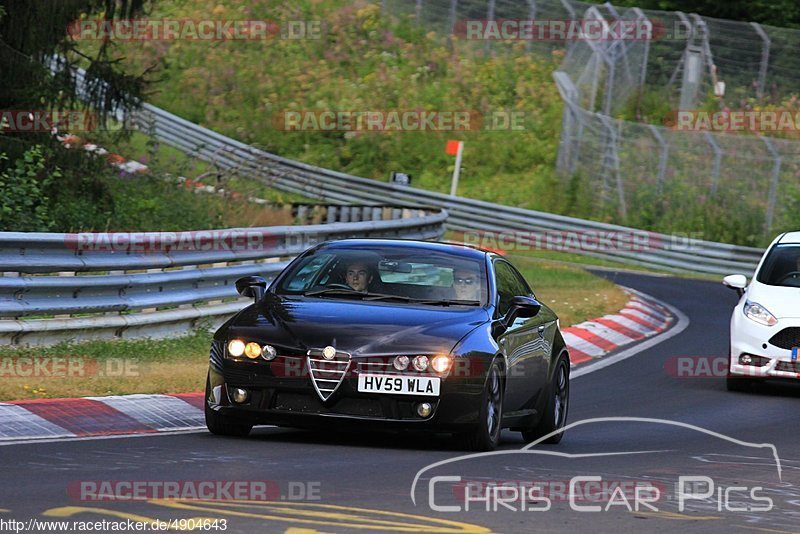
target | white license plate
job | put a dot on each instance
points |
(399, 385)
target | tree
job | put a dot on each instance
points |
(32, 32)
(773, 12)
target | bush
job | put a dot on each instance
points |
(23, 204)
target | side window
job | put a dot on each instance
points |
(304, 277)
(509, 285)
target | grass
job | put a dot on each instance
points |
(178, 365)
(364, 62)
(115, 367)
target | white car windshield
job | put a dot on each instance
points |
(781, 267)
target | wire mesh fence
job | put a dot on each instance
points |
(655, 175)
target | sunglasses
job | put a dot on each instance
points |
(467, 281)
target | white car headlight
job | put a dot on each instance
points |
(759, 313)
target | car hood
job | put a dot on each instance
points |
(781, 301)
(360, 328)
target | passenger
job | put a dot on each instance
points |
(466, 285)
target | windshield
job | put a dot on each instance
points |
(781, 267)
(402, 274)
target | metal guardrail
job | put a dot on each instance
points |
(663, 251)
(88, 286)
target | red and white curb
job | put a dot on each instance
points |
(92, 417)
(43, 419)
(639, 319)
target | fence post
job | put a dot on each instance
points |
(610, 165)
(662, 159)
(773, 187)
(646, 53)
(762, 71)
(418, 12)
(453, 7)
(489, 16)
(717, 162)
(569, 95)
(568, 6)
(532, 17)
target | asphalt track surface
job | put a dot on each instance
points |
(363, 482)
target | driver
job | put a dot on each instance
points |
(358, 276)
(466, 284)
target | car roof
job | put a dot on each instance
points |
(790, 237)
(463, 251)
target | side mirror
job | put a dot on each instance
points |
(252, 286)
(737, 282)
(522, 307)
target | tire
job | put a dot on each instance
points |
(219, 424)
(556, 408)
(486, 435)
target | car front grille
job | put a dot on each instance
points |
(327, 375)
(216, 353)
(302, 403)
(787, 338)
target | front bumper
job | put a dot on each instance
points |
(293, 402)
(749, 337)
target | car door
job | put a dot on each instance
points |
(526, 342)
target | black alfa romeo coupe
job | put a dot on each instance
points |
(395, 335)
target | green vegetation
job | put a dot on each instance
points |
(363, 62)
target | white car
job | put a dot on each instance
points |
(765, 324)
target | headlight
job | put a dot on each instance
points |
(252, 350)
(236, 347)
(420, 363)
(759, 313)
(401, 363)
(441, 363)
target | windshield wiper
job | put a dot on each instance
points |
(354, 293)
(334, 291)
(446, 302)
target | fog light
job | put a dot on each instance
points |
(401, 363)
(441, 363)
(236, 347)
(240, 395)
(745, 359)
(269, 352)
(252, 350)
(424, 409)
(420, 363)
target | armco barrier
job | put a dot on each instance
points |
(696, 256)
(88, 286)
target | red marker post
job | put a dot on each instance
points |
(455, 148)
